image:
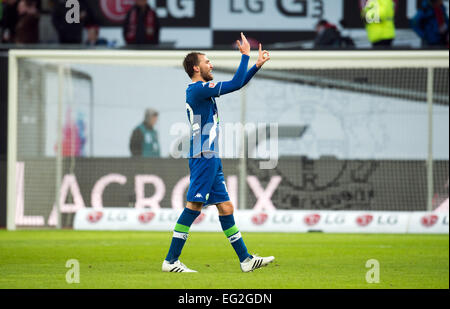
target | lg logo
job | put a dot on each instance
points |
(297, 8)
(289, 8)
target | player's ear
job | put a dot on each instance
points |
(196, 69)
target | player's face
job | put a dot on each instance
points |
(206, 68)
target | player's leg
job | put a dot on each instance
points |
(200, 184)
(219, 197)
(226, 218)
(180, 235)
(248, 262)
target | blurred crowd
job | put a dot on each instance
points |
(19, 24)
(430, 23)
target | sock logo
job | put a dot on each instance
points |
(235, 237)
(179, 235)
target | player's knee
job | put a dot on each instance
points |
(194, 206)
(225, 209)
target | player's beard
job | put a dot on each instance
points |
(207, 76)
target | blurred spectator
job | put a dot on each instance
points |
(93, 39)
(68, 33)
(144, 140)
(9, 21)
(328, 35)
(378, 16)
(431, 23)
(27, 28)
(141, 25)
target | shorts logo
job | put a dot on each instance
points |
(199, 195)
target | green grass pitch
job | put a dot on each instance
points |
(37, 259)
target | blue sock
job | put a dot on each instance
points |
(234, 236)
(180, 234)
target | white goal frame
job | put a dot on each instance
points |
(225, 59)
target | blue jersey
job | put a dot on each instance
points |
(202, 109)
(203, 117)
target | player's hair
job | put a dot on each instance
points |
(190, 61)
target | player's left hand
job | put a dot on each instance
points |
(264, 56)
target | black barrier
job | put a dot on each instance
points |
(3, 132)
(296, 183)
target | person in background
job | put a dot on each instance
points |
(93, 39)
(141, 25)
(9, 21)
(144, 140)
(328, 36)
(431, 23)
(27, 28)
(68, 33)
(378, 15)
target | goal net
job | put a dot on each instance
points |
(353, 130)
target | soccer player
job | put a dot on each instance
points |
(207, 182)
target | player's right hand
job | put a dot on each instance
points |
(245, 46)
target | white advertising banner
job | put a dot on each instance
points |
(273, 15)
(301, 221)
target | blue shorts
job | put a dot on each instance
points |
(207, 182)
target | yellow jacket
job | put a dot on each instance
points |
(379, 18)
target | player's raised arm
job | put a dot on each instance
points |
(263, 57)
(215, 90)
(239, 78)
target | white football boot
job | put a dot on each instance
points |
(176, 267)
(256, 262)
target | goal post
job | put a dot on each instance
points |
(400, 78)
